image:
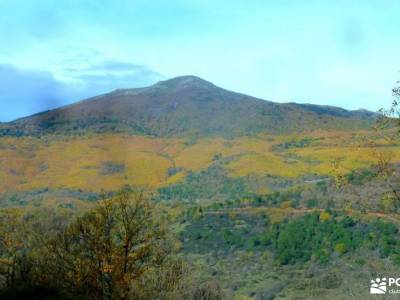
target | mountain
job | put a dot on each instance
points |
(185, 106)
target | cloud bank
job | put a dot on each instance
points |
(25, 92)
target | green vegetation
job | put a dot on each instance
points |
(359, 177)
(210, 183)
(251, 250)
(317, 236)
(295, 143)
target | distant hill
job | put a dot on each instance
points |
(186, 106)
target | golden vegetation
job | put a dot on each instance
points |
(111, 161)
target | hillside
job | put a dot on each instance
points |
(185, 106)
(263, 200)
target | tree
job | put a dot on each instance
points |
(388, 126)
(13, 247)
(386, 133)
(117, 250)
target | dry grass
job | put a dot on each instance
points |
(77, 163)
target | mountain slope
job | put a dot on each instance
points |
(185, 106)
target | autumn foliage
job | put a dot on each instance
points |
(119, 250)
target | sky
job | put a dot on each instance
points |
(341, 53)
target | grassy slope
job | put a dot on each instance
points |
(109, 161)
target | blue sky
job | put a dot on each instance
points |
(343, 53)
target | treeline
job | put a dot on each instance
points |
(321, 236)
(316, 237)
(122, 249)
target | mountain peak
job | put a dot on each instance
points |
(183, 82)
(176, 84)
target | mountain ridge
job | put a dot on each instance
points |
(185, 106)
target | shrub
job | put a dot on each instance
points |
(340, 248)
(110, 168)
(325, 216)
(207, 291)
(311, 203)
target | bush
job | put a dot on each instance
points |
(340, 248)
(207, 291)
(110, 168)
(311, 203)
(325, 216)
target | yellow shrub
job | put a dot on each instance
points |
(286, 204)
(324, 216)
(340, 248)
